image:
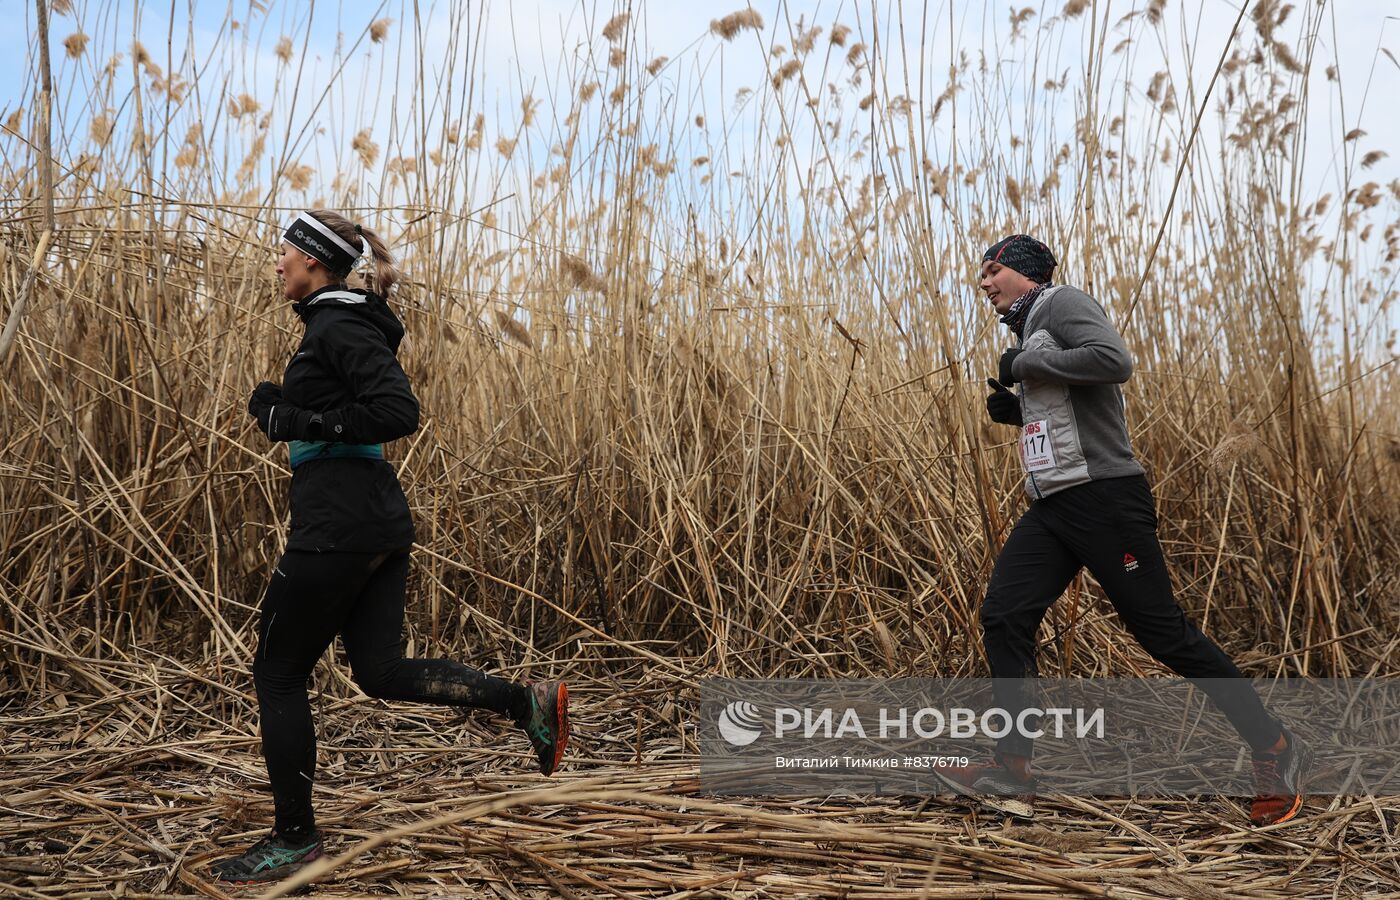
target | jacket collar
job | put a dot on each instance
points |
(362, 303)
(330, 295)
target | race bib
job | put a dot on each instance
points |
(1037, 450)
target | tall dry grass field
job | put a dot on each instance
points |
(702, 382)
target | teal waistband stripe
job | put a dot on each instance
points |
(303, 450)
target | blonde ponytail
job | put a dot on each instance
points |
(386, 270)
(384, 273)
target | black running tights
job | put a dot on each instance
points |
(360, 596)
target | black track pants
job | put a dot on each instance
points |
(360, 596)
(1110, 527)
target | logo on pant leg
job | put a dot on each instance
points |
(1130, 562)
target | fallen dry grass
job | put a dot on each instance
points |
(136, 793)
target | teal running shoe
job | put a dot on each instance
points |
(547, 724)
(270, 859)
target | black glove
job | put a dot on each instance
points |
(1002, 405)
(1004, 369)
(291, 423)
(265, 397)
(288, 423)
(281, 421)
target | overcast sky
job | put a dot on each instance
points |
(531, 42)
(530, 47)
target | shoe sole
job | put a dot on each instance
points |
(1010, 806)
(561, 727)
(1291, 814)
(562, 717)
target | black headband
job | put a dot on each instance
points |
(317, 241)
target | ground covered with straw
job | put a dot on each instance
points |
(701, 358)
(136, 793)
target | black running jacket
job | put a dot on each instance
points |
(346, 368)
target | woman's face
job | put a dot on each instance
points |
(1002, 285)
(300, 273)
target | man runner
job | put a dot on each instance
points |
(1090, 507)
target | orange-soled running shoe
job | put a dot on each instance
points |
(1005, 784)
(1278, 782)
(547, 724)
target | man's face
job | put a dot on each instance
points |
(1002, 285)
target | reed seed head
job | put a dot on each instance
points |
(735, 22)
(613, 31)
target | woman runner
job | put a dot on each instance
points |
(1091, 506)
(344, 395)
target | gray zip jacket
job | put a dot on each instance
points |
(1071, 406)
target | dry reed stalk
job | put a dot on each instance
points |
(45, 153)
